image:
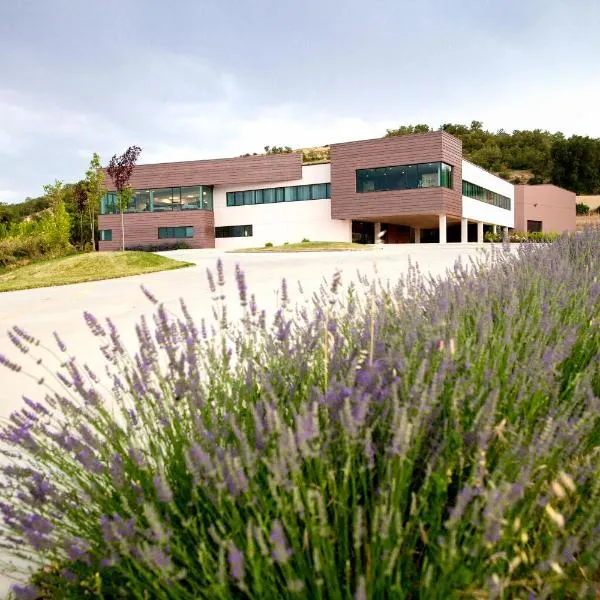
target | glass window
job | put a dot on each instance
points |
(249, 197)
(108, 206)
(446, 176)
(162, 199)
(230, 199)
(319, 191)
(231, 231)
(396, 178)
(403, 177)
(291, 194)
(279, 194)
(207, 197)
(239, 198)
(105, 235)
(479, 193)
(175, 232)
(141, 201)
(190, 197)
(328, 192)
(303, 192)
(429, 175)
(258, 196)
(176, 198)
(412, 177)
(269, 196)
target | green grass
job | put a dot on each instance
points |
(85, 267)
(308, 247)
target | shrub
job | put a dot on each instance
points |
(269, 245)
(160, 247)
(517, 237)
(582, 209)
(305, 241)
(434, 439)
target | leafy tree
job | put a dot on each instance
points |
(94, 189)
(119, 170)
(278, 150)
(408, 130)
(577, 164)
(57, 228)
(582, 209)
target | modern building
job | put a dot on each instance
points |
(415, 188)
(545, 207)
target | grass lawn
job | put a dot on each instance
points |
(308, 247)
(85, 267)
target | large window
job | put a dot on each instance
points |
(483, 195)
(404, 177)
(534, 226)
(232, 231)
(198, 197)
(169, 233)
(294, 193)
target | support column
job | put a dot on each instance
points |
(377, 232)
(464, 230)
(480, 232)
(494, 229)
(417, 235)
(442, 226)
(505, 234)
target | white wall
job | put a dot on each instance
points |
(476, 210)
(284, 221)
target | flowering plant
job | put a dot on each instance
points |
(427, 439)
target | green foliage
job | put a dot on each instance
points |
(425, 439)
(408, 130)
(269, 245)
(582, 209)
(278, 150)
(517, 237)
(305, 241)
(577, 164)
(45, 234)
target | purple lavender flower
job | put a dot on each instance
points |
(25, 592)
(163, 491)
(157, 557)
(78, 549)
(280, 550)
(236, 562)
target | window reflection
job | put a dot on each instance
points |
(404, 177)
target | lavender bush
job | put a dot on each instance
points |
(434, 439)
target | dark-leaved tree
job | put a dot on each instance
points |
(119, 170)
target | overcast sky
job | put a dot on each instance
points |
(189, 79)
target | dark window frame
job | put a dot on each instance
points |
(233, 231)
(170, 233)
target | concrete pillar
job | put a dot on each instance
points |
(442, 226)
(494, 229)
(479, 232)
(505, 234)
(417, 235)
(464, 230)
(377, 232)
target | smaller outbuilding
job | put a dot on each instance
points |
(545, 207)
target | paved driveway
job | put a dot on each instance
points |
(42, 311)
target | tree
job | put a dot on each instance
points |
(408, 130)
(58, 227)
(577, 164)
(94, 188)
(119, 170)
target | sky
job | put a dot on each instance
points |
(192, 79)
